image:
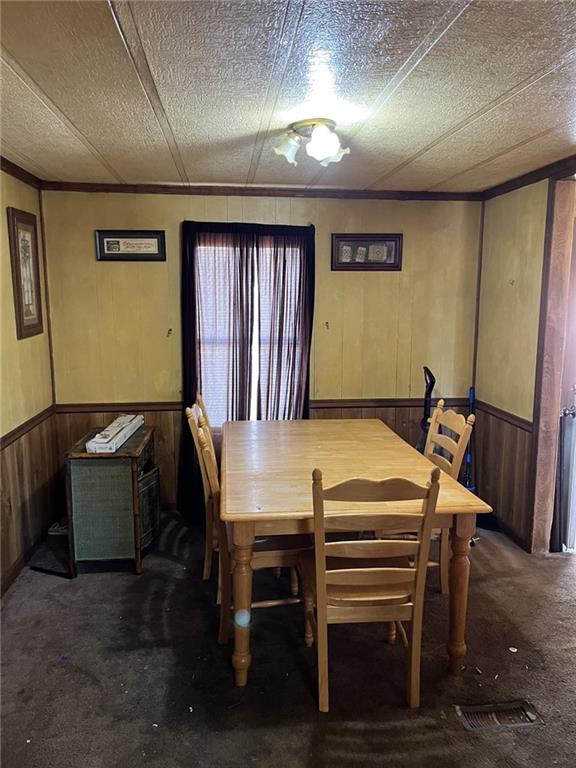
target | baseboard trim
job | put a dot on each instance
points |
(510, 418)
(11, 574)
(512, 534)
(117, 407)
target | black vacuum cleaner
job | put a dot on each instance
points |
(430, 382)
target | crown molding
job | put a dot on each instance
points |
(19, 173)
(558, 170)
(244, 191)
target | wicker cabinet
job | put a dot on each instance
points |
(113, 500)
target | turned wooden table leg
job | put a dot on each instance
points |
(463, 528)
(242, 600)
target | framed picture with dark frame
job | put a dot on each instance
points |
(23, 241)
(130, 245)
(365, 252)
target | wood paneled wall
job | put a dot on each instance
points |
(373, 331)
(29, 477)
(502, 467)
(509, 301)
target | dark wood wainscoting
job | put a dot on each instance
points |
(73, 421)
(29, 470)
(401, 415)
(33, 458)
(502, 460)
(33, 461)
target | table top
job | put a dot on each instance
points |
(267, 466)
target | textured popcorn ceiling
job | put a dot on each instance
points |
(446, 95)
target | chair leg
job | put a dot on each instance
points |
(402, 632)
(445, 561)
(277, 572)
(207, 569)
(294, 581)
(208, 543)
(219, 590)
(322, 650)
(308, 618)
(391, 632)
(414, 665)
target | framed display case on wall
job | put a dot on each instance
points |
(25, 272)
(367, 252)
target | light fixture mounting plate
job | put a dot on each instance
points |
(304, 128)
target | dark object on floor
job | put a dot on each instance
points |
(488, 522)
(59, 528)
(51, 557)
(512, 714)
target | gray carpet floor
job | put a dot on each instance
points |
(113, 670)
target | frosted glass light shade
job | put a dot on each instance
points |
(335, 158)
(324, 143)
(289, 146)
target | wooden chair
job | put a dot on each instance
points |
(368, 581)
(269, 552)
(450, 461)
(214, 434)
(194, 416)
(202, 405)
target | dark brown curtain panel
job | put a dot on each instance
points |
(285, 297)
(224, 278)
(247, 308)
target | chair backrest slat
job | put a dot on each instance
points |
(453, 421)
(384, 577)
(442, 462)
(459, 426)
(393, 489)
(193, 416)
(446, 443)
(371, 548)
(392, 522)
(209, 459)
(202, 405)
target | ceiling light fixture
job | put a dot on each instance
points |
(289, 146)
(322, 144)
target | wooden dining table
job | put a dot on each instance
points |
(266, 482)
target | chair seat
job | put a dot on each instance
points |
(354, 595)
(288, 543)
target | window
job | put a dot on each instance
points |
(251, 323)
